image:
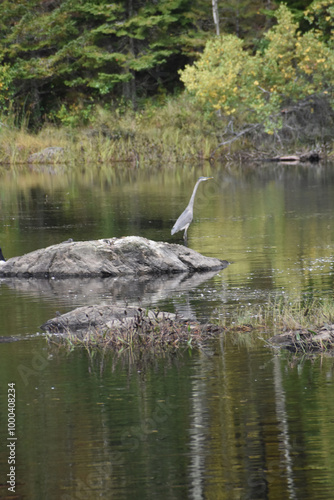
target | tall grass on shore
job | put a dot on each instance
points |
(168, 133)
(281, 315)
(163, 132)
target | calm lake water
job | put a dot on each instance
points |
(235, 421)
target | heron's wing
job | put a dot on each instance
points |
(183, 221)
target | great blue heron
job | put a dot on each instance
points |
(186, 217)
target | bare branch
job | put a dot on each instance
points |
(236, 136)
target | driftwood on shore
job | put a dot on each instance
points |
(110, 257)
(310, 156)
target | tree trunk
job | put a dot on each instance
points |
(129, 87)
(215, 14)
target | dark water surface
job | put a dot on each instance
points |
(236, 421)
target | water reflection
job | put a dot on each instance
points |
(275, 223)
(142, 289)
(235, 420)
(286, 460)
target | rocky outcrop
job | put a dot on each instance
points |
(52, 154)
(131, 255)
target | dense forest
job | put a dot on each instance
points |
(62, 58)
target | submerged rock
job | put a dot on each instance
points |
(120, 328)
(95, 319)
(103, 258)
(306, 340)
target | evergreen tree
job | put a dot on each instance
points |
(57, 55)
(76, 50)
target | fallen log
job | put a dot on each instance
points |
(311, 156)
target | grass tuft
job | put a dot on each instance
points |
(298, 325)
(159, 333)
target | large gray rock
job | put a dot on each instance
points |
(131, 255)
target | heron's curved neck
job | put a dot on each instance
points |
(192, 199)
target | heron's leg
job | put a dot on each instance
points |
(185, 234)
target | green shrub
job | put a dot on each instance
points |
(5, 87)
(291, 67)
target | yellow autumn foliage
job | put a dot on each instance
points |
(291, 67)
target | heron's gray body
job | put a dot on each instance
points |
(183, 222)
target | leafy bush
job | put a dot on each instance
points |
(5, 87)
(320, 15)
(291, 67)
(73, 115)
